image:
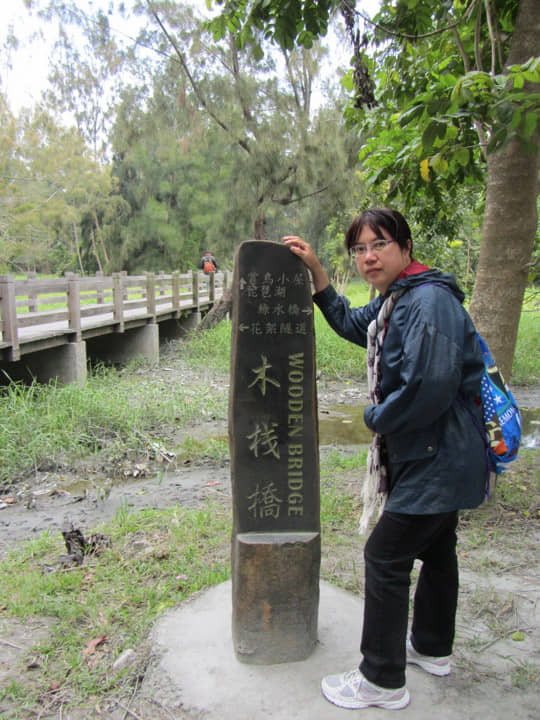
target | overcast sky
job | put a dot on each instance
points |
(27, 76)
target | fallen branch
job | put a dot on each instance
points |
(501, 637)
(128, 711)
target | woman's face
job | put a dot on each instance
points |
(380, 268)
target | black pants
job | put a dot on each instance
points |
(396, 541)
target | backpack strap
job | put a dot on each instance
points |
(491, 467)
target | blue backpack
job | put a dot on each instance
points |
(501, 432)
(502, 419)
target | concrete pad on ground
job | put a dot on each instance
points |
(196, 673)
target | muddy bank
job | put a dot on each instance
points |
(92, 492)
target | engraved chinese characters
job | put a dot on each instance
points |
(273, 407)
(274, 457)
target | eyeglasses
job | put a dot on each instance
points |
(377, 246)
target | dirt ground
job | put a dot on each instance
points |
(92, 491)
(498, 636)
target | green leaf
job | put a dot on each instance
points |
(347, 81)
(439, 163)
(462, 156)
(533, 77)
(219, 27)
(433, 107)
(258, 53)
(305, 38)
(497, 139)
(444, 64)
(408, 116)
(448, 80)
(529, 126)
(516, 120)
(434, 130)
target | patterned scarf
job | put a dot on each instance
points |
(375, 489)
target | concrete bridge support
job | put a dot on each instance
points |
(69, 365)
(65, 364)
(137, 342)
(179, 328)
(191, 321)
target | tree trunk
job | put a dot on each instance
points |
(224, 306)
(77, 249)
(218, 312)
(95, 251)
(259, 227)
(510, 220)
(100, 236)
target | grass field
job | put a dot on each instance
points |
(85, 616)
(115, 408)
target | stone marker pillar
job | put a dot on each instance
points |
(273, 433)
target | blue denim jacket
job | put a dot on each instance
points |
(430, 356)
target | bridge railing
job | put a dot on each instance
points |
(30, 307)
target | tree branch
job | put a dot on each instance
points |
(462, 51)
(246, 111)
(482, 137)
(202, 100)
(406, 36)
(493, 38)
(290, 201)
(289, 73)
(477, 30)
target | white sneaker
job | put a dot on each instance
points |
(439, 666)
(353, 691)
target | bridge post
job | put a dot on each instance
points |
(32, 301)
(9, 315)
(195, 296)
(74, 306)
(151, 295)
(160, 278)
(118, 301)
(175, 292)
(195, 288)
(99, 288)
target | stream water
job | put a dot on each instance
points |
(344, 425)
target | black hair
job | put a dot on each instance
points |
(376, 218)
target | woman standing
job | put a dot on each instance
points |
(427, 460)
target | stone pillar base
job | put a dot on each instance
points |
(275, 578)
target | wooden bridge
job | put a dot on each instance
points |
(51, 327)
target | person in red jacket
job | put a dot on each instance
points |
(208, 263)
(209, 266)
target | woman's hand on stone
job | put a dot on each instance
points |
(301, 248)
(305, 252)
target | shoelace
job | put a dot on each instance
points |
(353, 677)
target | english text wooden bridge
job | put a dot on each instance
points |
(51, 327)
